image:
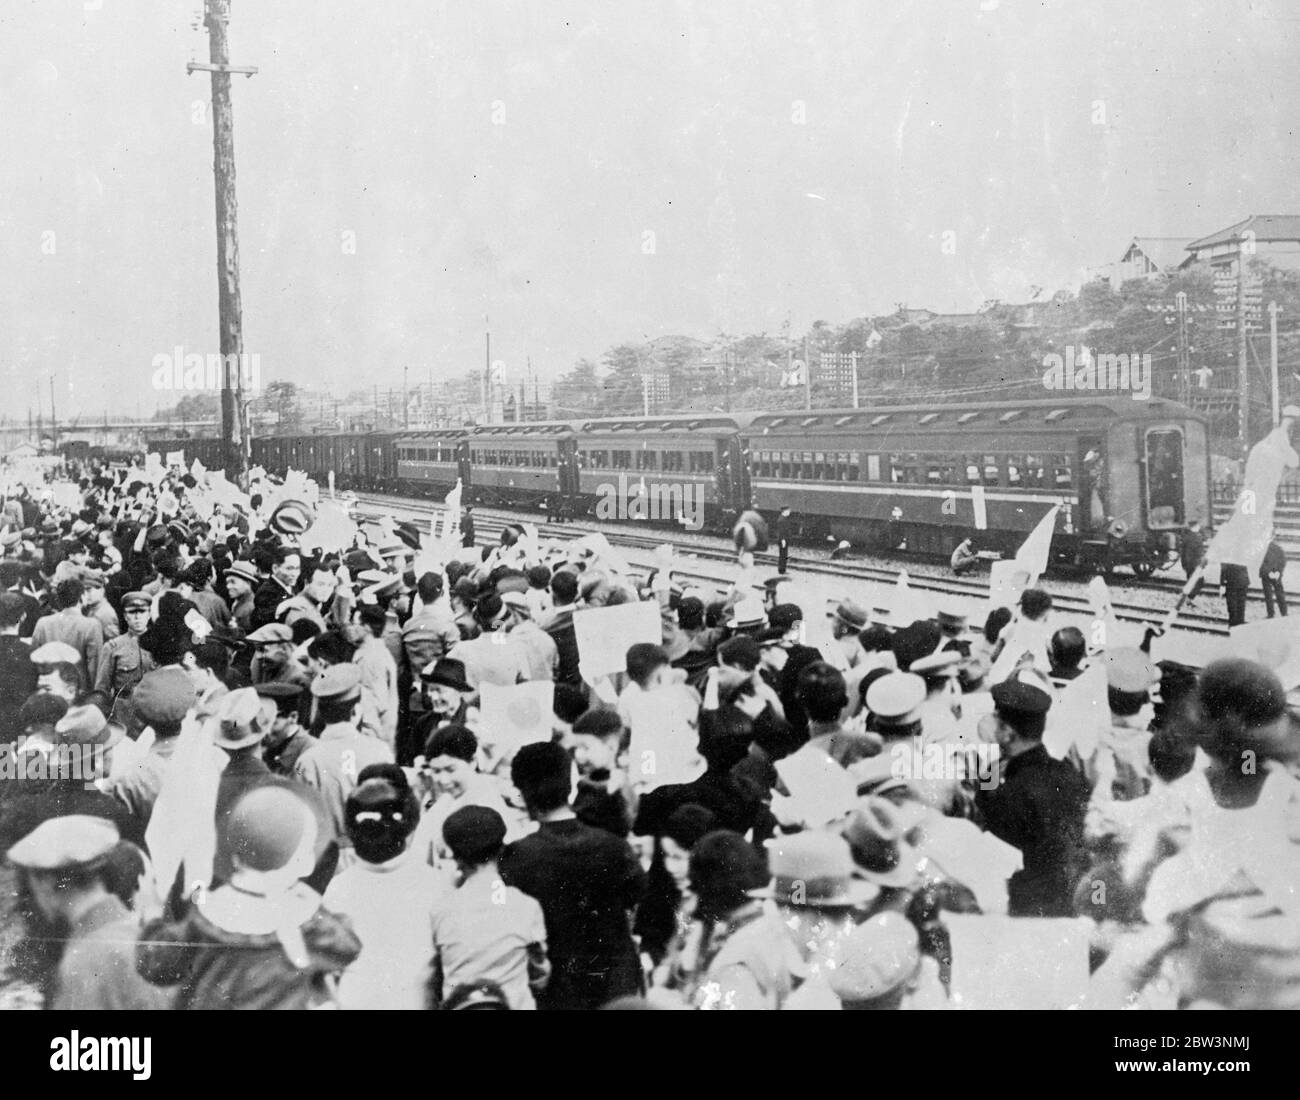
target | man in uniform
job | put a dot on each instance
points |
(332, 764)
(1037, 805)
(122, 662)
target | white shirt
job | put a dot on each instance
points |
(391, 908)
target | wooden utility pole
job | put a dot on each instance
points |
(487, 366)
(1243, 384)
(54, 417)
(807, 376)
(1273, 311)
(234, 424)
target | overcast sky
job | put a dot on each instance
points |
(793, 161)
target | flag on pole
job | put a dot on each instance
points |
(1034, 553)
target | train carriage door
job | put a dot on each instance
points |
(1094, 497)
(566, 474)
(724, 476)
(740, 472)
(1163, 491)
(463, 468)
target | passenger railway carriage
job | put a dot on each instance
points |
(1128, 475)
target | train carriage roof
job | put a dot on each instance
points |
(1072, 412)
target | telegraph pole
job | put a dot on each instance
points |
(1184, 359)
(1243, 383)
(807, 376)
(406, 399)
(487, 365)
(1273, 311)
(54, 417)
(234, 426)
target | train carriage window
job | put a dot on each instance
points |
(1062, 472)
(992, 470)
(904, 469)
(1015, 471)
(823, 466)
(873, 467)
(1034, 473)
(940, 470)
(672, 461)
(972, 470)
(809, 469)
(647, 460)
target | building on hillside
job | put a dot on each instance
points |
(1148, 258)
(1274, 238)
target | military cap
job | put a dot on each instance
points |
(895, 698)
(91, 578)
(138, 601)
(271, 632)
(338, 682)
(163, 696)
(9, 538)
(945, 660)
(81, 527)
(71, 842)
(278, 689)
(55, 653)
(1023, 705)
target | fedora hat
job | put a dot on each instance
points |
(877, 838)
(852, 614)
(814, 870)
(448, 672)
(238, 723)
(244, 570)
(291, 517)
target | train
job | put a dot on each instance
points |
(1128, 476)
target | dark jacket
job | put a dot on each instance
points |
(1274, 560)
(216, 969)
(1038, 807)
(566, 647)
(738, 806)
(587, 881)
(17, 681)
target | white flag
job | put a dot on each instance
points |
(1034, 554)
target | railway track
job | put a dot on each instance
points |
(490, 525)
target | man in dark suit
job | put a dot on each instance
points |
(281, 585)
(564, 594)
(1036, 805)
(17, 673)
(587, 880)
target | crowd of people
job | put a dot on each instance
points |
(288, 794)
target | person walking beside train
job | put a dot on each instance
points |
(1270, 577)
(781, 529)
